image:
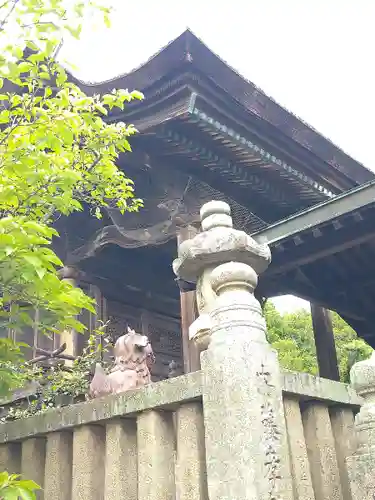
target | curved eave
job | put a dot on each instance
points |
(218, 158)
(177, 99)
(188, 51)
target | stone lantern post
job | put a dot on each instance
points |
(246, 448)
(361, 465)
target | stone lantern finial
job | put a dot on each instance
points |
(215, 214)
(218, 243)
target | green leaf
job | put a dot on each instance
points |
(33, 260)
(24, 67)
(10, 493)
(57, 157)
(107, 20)
(75, 32)
(28, 484)
(4, 116)
(4, 477)
(137, 95)
(53, 258)
(26, 494)
(40, 272)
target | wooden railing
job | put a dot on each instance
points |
(150, 444)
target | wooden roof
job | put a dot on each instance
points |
(202, 118)
(326, 255)
(220, 97)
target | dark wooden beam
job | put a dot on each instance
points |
(358, 199)
(313, 249)
(215, 154)
(146, 270)
(291, 284)
(191, 356)
(324, 342)
(345, 279)
(140, 298)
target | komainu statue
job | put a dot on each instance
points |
(133, 359)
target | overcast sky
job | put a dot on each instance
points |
(315, 57)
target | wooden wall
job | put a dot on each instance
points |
(164, 332)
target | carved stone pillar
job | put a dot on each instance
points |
(245, 435)
(361, 465)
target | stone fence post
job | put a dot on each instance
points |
(245, 434)
(361, 465)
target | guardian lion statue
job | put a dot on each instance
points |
(133, 360)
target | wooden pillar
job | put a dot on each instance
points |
(99, 318)
(191, 357)
(325, 343)
(70, 337)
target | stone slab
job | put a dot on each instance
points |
(165, 394)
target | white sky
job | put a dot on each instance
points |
(315, 57)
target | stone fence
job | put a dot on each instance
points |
(239, 429)
(150, 444)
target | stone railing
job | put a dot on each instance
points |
(146, 444)
(319, 416)
(150, 444)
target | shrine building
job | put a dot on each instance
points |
(207, 133)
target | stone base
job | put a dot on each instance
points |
(361, 476)
(246, 450)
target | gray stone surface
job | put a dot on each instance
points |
(321, 450)
(58, 470)
(361, 464)
(165, 394)
(217, 244)
(245, 434)
(191, 477)
(342, 421)
(299, 461)
(88, 463)
(33, 458)
(246, 448)
(156, 456)
(310, 387)
(10, 457)
(121, 460)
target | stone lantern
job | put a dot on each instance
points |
(245, 436)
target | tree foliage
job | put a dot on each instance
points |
(292, 336)
(12, 487)
(57, 155)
